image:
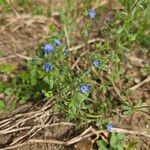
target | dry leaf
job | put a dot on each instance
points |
(85, 144)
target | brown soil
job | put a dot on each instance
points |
(23, 34)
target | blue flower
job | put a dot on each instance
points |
(92, 13)
(109, 127)
(48, 67)
(48, 48)
(96, 63)
(57, 42)
(84, 88)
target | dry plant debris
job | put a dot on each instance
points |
(23, 34)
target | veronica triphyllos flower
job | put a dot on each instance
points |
(92, 13)
(84, 88)
(48, 67)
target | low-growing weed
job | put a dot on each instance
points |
(84, 82)
(116, 142)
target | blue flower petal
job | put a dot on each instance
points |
(92, 13)
(48, 67)
(48, 48)
(96, 63)
(84, 88)
(109, 127)
(57, 42)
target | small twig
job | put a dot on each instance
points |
(5, 120)
(24, 136)
(23, 57)
(140, 84)
(116, 89)
(86, 131)
(129, 132)
(96, 73)
(12, 8)
(75, 63)
(35, 132)
(62, 123)
(32, 141)
(134, 6)
(23, 120)
(15, 146)
(3, 59)
(48, 141)
(89, 42)
(67, 36)
(15, 130)
(5, 124)
(79, 138)
(143, 111)
(38, 126)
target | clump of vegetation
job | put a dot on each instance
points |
(83, 80)
(116, 142)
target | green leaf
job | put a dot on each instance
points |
(101, 145)
(24, 76)
(33, 75)
(132, 37)
(46, 79)
(120, 137)
(7, 68)
(2, 105)
(120, 147)
(113, 140)
(8, 91)
(2, 53)
(49, 80)
(51, 83)
(81, 97)
(48, 94)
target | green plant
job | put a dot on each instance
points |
(2, 105)
(116, 142)
(83, 81)
(129, 108)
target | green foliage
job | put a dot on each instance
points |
(115, 143)
(121, 35)
(131, 145)
(129, 109)
(2, 53)
(101, 145)
(6, 68)
(2, 105)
